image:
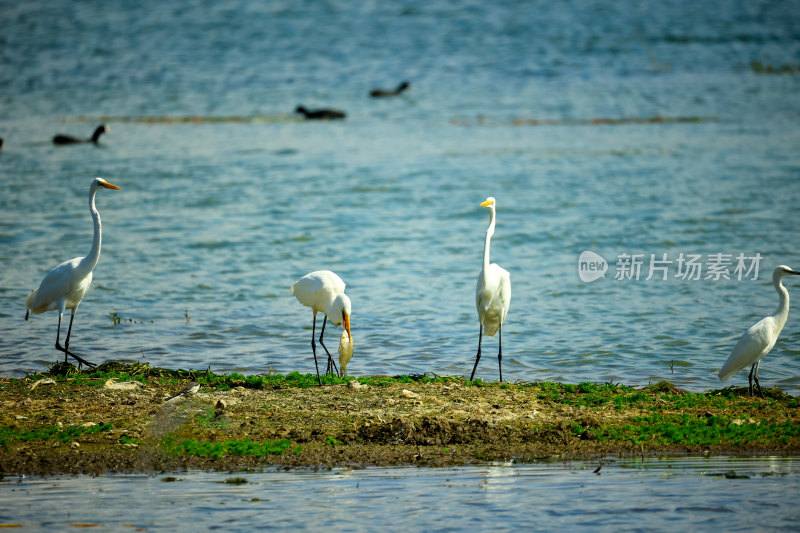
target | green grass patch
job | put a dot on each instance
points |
(657, 397)
(218, 450)
(8, 435)
(125, 371)
(694, 430)
(208, 418)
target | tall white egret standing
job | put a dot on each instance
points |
(759, 338)
(65, 286)
(323, 291)
(492, 295)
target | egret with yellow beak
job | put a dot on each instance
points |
(323, 291)
(65, 285)
(492, 294)
(759, 338)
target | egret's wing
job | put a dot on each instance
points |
(493, 297)
(306, 285)
(505, 291)
(316, 288)
(334, 282)
(754, 344)
(56, 284)
(486, 291)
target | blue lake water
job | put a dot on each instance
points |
(688, 494)
(552, 108)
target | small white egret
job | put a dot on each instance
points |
(323, 291)
(492, 295)
(759, 338)
(65, 285)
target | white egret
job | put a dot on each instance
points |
(493, 294)
(323, 291)
(759, 339)
(65, 285)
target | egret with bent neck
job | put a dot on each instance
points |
(323, 291)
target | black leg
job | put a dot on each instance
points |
(331, 368)
(321, 333)
(478, 357)
(314, 348)
(500, 352)
(750, 378)
(69, 330)
(65, 348)
(331, 364)
(58, 337)
(755, 377)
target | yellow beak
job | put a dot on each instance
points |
(346, 324)
(108, 185)
(486, 203)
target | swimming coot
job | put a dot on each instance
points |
(68, 139)
(383, 93)
(320, 114)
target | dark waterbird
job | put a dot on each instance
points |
(68, 139)
(320, 114)
(384, 93)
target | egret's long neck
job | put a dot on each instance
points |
(88, 263)
(782, 313)
(487, 246)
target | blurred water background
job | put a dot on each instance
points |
(616, 127)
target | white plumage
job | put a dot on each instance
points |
(65, 285)
(492, 294)
(323, 291)
(760, 338)
(493, 297)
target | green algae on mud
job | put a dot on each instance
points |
(115, 418)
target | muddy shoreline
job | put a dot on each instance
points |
(116, 422)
